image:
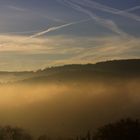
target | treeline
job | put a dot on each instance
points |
(116, 66)
(126, 129)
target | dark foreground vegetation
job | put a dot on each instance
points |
(125, 129)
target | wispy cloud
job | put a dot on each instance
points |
(59, 50)
(37, 34)
(34, 12)
(16, 8)
(131, 9)
(109, 24)
(34, 51)
(108, 9)
(105, 48)
(20, 32)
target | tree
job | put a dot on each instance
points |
(13, 133)
(122, 130)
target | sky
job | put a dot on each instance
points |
(36, 34)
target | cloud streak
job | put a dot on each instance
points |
(108, 9)
(105, 48)
(56, 28)
(20, 32)
(42, 52)
(131, 9)
(109, 24)
(19, 9)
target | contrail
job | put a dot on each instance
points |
(47, 31)
(104, 22)
(56, 28)
(101, 7)
(131, 9)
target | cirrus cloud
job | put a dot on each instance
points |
(58, 50)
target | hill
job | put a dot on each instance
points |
(101, 70)
(115, 68)
(69, 100)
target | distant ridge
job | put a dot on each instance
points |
(114, 68)
(121, 65)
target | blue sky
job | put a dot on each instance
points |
(39, 33)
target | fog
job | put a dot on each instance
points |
(68, 109)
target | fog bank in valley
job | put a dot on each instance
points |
(68, 109)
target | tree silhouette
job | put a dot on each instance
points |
(122, 130)
(13, 133)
